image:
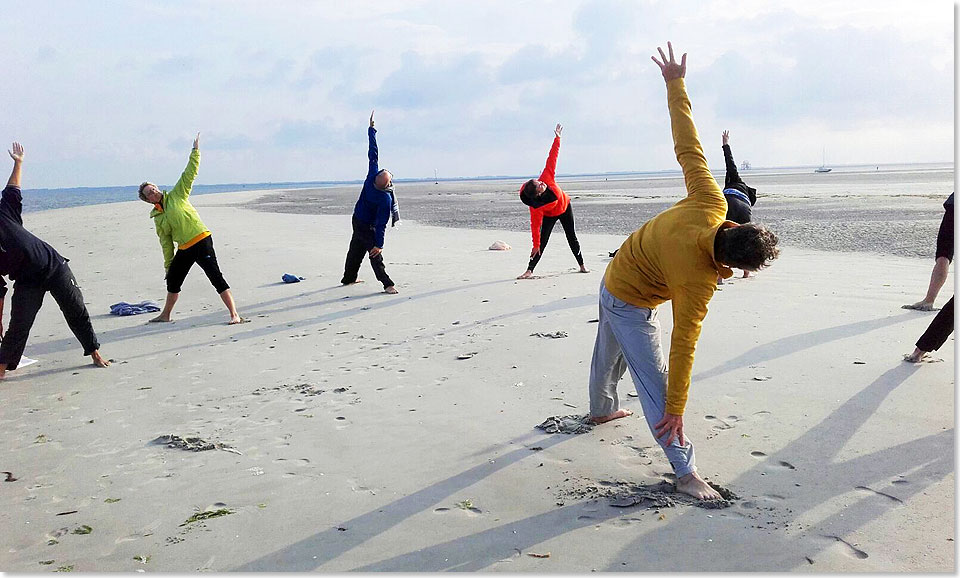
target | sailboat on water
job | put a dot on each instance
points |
(823, 165)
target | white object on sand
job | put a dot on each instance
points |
(25, 361)
(499, 246)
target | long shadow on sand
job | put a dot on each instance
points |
(923, 462)
(886, 479)
(331, 316)
(318, 549)
(795, 343)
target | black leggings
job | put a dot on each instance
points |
(945, 236)
(26, 301)
(202, 254)
(940, 329)
(546, 227)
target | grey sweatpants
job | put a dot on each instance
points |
(629, 337)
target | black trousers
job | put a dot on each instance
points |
(945, 236)
(940, 329)
(546, 227)
(25, 304)
(361, 242)
(202, 254)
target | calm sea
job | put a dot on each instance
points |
(919, 179)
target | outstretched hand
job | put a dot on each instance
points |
(558, 130)
(371, 117)
(17, 153)
(670, 427)
(726, 137)
(669, 68)
(196, 142)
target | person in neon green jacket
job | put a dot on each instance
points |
(177, 222)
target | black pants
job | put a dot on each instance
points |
(546, 227)
(26, 301)
(360, 244)
(945, 236)
(202, 254)
(940, 329)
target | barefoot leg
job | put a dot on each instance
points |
(693, 485)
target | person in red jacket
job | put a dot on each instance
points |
(549, 204)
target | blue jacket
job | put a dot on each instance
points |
(373, 206)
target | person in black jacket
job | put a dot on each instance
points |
(740, 197)
(37, 268)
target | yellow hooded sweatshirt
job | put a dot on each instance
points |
(671, 256)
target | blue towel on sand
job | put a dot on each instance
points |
(124, 308)
(288, 278)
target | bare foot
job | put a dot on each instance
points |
(352, 282)
(916, 357)
(693, 485)
(161, 319)
(920, 306)
(746, 274)
(583, 269)
(3, 370)
(236, 320)
(526, 275)
(615, 415)
(98, 360)
(391, 290)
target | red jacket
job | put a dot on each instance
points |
(550, 205)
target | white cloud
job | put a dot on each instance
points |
(282, 90)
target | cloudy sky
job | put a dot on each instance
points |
(111, 93)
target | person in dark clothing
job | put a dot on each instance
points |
(740, 197)
(936, 334)
(943, 256)
(37, 268)
(370, 215)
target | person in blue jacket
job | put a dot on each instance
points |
(370, 216)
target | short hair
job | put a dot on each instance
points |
(750, 247)
(529, 188)
(140, 190)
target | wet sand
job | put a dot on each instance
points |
(888, 212)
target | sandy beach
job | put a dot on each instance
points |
(353, 430)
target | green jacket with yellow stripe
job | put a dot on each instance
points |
(175, 218)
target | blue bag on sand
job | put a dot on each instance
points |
(288, 278)
(124, 308)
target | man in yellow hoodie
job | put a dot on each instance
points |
(676, 256)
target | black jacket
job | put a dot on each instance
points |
(22, 255)
(733, 180)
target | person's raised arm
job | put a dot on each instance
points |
(185, 184)
(17, 155)
(550, 170)
(372, 152)
(733, 175)
(686, 143)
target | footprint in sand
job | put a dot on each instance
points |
(850, 549)
(758, 455)
(723, 423)
(899, 482)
